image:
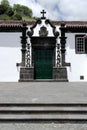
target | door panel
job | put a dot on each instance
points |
(43, 64)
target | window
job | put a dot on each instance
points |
(80, 44)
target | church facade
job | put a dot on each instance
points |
(51, 50)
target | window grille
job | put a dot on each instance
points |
(80, 44)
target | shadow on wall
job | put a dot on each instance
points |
(70, 41)
(10, 40)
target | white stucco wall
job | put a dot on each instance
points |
(10, 54)
(78, 61)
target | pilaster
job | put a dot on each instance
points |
(63, 44)
(23, 43)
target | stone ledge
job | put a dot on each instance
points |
(44, 80)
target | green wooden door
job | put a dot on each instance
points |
(43, 64)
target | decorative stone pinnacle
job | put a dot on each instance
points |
(43, 13)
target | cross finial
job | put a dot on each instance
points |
(43, 13)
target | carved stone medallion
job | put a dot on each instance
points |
(43, 32)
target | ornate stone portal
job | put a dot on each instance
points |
(43, 57)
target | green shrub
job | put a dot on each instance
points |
(5, 3)
(23, 10)
(4, 17)
(2, 9)
(10, 12)
(17, 16)
(15, 12)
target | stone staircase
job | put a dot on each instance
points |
(43, 112)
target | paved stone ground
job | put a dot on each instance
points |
(43, 92)
(43, 126)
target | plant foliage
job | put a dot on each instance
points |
(17, 12)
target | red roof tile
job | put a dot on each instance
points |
(68, 23)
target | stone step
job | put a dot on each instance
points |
(43, 104)
(43, 116)
(43, 112)
(42, 108)
(44, 120)
(38, 111)
(72, 108)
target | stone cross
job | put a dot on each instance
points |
(43, 13)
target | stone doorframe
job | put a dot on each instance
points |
(59, 72)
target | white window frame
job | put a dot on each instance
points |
(80, 46)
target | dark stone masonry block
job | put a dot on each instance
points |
(26, 74)
(60, 73)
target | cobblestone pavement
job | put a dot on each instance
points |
(43, 126)
(43, 92)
